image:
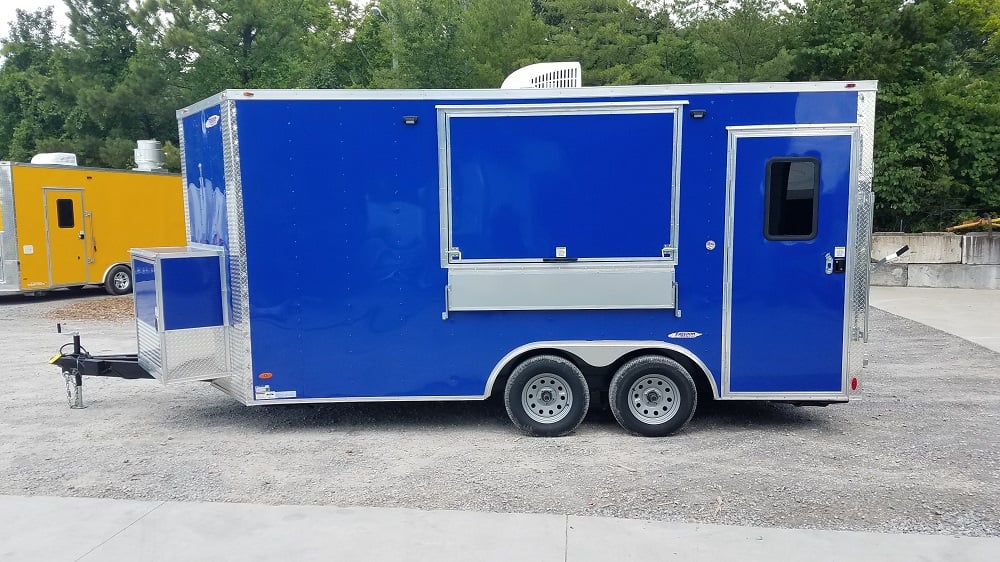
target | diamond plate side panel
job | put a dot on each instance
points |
(240, 382)
(9, 271)
(865, 199)
(150, 351)
(194, 354)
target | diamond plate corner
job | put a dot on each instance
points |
(240, 382)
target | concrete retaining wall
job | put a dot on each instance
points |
(931, 247)
(958, 276)
(981, 248)
(939, 259)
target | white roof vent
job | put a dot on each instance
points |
(149, 156)
(55, 158)
(545, 75)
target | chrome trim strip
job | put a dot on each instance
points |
(540, 93)
(575, 108)
(803, 396)
(355, 399)
(599, 353)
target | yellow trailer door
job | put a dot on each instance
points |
(66, 236)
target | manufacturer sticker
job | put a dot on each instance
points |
(840, 252)
(29, 249)
(710, 245)
(212, 121)
(264, 392)
(684, 335)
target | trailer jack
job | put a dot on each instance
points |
(80, 363)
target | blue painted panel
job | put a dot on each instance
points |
(342, 233)
(144, 288)
(192, 292)
(787, 313)
(204, 177)
(598, 185)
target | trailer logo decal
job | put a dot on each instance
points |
(683, 335)
(212, 121)
(265, 393)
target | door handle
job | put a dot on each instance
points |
(81, 236)
(829, 264)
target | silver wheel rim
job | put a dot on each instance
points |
(121, 280)
(546, 398)
(653, 399)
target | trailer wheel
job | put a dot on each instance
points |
(119, 280)
(652, 396)
(547, 396)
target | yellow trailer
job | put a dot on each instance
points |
(68, 226)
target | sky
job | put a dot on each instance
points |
(9, 7)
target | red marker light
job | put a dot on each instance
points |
(850, 85)
(854, 383)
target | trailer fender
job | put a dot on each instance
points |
(598, 354)
(104, 276)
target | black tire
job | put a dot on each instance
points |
(119, 280)
(652, 396)
(558, 382)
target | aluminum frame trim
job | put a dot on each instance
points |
(201, 105)
(533, 93)
(10, 269)
(446, 112)
(84, 168)
(768, 131)
(574, 108)
(622, 348)
(358, 399)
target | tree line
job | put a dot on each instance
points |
(120, 68)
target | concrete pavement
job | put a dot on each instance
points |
(971, 314)
(86, 529)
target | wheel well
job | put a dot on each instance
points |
(599, 378)
(112, 266)
(501, 379)
(700, 376)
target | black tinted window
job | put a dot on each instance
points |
(64, 212)
(791, 198)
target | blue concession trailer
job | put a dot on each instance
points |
(647, 245)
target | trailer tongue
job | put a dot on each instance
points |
(78, 363)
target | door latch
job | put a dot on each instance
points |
(835, 265)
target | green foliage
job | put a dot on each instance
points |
(123, 67)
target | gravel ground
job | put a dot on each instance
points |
(918, 454)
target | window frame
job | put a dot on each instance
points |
(768, 198)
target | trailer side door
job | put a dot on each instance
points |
(789, 200)
(65, 236)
